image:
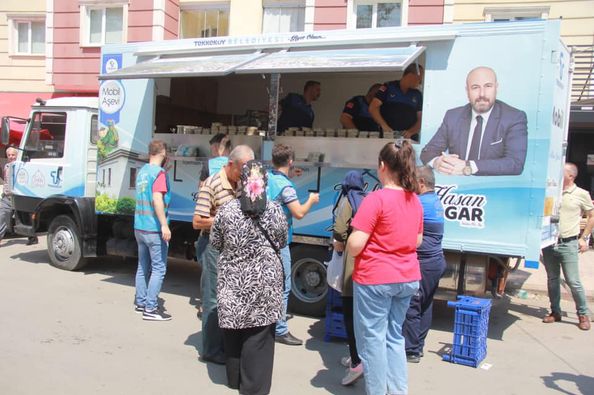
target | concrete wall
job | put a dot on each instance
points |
(245, 17)
(577, 23)
(425, 12)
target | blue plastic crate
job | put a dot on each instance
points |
(334, 326)
(334, 298)
(471, 326)
(334, 322)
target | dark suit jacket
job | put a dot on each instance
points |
(504, 145)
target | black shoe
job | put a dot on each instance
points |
(288, 339)
(32, 240)
(218, 359)
(413, 358)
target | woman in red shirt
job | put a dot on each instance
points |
(387, 230)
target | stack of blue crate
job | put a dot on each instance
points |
(334, 318)
(471, 325)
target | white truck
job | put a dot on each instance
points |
(79, 187)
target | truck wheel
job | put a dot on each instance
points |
(308, 280)
(63, 244)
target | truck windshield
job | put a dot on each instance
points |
(47, 135)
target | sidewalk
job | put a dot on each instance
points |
(535, 280)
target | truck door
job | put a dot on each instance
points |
(47, 164)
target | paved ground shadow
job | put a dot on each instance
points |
(330, 377)
(584, 384)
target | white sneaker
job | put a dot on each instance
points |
(346, 362)
(352, 375)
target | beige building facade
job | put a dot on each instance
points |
(577, 28)
(22, 54)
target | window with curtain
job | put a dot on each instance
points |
(378, 13)
(280, 18)
(103, 25)
(29, 37)
(208, 22)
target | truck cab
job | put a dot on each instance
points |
(54, 177)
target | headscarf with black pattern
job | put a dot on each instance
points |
(253, 184)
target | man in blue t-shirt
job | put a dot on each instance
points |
(433, 264)
(281, 189)
(398, 105)
(355, 114)
(152, 233)
(295, 109)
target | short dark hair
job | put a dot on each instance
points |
(309, 84)
(281, 155)
(216, 139)
(413, 68)
(156, 146)
(426, 174)
(374, 86)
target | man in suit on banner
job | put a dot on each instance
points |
(485, 137)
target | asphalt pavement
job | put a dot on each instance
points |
(76, 333)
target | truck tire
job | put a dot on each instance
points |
(64, 245)
(308, 280)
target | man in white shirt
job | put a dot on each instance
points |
(485, 137)
(6, 210)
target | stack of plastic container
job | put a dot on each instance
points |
(334, 318)
(471, 325)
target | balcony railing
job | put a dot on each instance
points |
(582, 89)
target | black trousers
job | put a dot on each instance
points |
(420, 312)
(347, 315)
(250, 356)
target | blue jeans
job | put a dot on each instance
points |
(152, 265)
(281, 325)
(200, 246)
(564, 256)
(379, 314)
(212, 336)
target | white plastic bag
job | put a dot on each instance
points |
(335, 271)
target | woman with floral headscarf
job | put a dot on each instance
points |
(249, 232)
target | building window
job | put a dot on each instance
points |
(204, 21)
(94, 132)
(283, 16)
(133, 177)
(377, 13)
(103, 24)
(499, 14)
(27, 35)
(109, 177)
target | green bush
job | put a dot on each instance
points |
(105, 204)
(125, 205)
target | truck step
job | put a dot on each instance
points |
(24, 230)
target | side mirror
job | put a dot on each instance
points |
(5, 130)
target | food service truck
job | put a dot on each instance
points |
(79, 187)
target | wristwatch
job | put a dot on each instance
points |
(467, 170)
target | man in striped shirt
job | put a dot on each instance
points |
(217, 190)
